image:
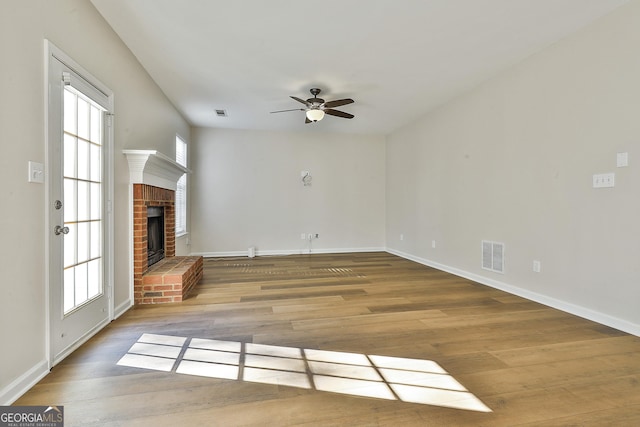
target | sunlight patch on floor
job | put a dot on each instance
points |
(381, 377)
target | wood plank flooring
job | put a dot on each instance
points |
(530, 364)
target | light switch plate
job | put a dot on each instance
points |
(36, 172)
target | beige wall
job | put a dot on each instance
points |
(144, 119)
(512, 161)
(247, 191)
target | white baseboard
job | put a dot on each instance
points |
(122, 308)
(23, 383)
(285, 252)
(57, 358)
(586, 313)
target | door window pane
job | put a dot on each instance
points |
(69, 288)
(83, 200)
(70, 112)
(70, 246)
(94, 275)
(69, 201)
(83, 118)
(96, 163)
(96, 241)
(81, 284)
(95, 209)
(83, 241)
(83, 159)
(69, 156)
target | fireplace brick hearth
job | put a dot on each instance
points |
(171, 279)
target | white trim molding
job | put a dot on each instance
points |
(284, 252)
(154, 168)
(23, 383)
(586, 313)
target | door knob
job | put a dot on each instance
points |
(60, 230)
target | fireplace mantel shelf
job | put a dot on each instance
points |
(154, 168)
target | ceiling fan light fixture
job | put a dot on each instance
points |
(315, 114)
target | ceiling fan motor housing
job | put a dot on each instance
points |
(315, 100)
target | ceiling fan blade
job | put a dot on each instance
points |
(306, 120)
(283, 111)
(300, 100)
(338, 113)
(338, 102)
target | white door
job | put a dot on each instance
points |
(79, 256)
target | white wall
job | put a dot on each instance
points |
(247, 191)
(512, 161)
(144, 119)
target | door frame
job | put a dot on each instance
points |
(52, 52)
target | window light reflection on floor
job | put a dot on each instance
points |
(382, 377)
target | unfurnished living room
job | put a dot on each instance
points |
(282, 213)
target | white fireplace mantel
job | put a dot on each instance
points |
(154, 168)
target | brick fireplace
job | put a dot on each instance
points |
(153, 179)
(145, 196)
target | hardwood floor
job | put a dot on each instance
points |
(529, 364)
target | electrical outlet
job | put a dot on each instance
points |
(433, 244)
(303, 236)
(604, 180)
(402, 237)
(536, 266)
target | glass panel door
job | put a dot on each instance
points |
(82, 188)
(80, 252)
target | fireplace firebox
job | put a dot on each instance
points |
(155, 234)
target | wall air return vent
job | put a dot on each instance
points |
(493, 256)
(221, 113)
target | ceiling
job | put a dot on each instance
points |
(398, 59)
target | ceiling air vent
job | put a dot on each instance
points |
(493, 256)
(221, 113)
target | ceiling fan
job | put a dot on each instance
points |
(316, 108)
